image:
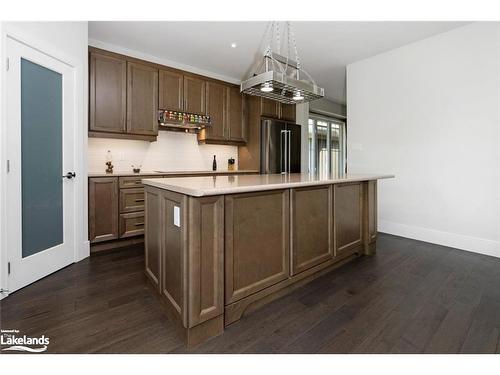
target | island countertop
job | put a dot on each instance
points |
(220, 185)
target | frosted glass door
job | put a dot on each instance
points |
(40, 231)
(41, 150)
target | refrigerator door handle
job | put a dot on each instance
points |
(283, 143)
(289, 148)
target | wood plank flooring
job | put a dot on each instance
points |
(412, 297)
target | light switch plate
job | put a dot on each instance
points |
(177, 216)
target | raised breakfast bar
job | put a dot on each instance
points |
(217, 247)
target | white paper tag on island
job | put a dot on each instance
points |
(177, 216)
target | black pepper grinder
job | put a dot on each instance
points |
(214, 164)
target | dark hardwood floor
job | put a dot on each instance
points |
(412, 297)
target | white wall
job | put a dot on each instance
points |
(429, 113)
(173, 151)
(68, 42)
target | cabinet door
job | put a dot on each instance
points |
(256, 242)
(107, 101)
(269, 108)
(103, 209)
(142, 99)
(194, 95)
(171, 90)
(287, 112)
(236, 113)
(216, 96)
(348, 214)
(311, 227)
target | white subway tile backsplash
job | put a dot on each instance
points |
(171, 152)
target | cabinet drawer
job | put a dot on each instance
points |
(133, 181)
(131, 224)
(131, 200)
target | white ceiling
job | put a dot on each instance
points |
(325, 48)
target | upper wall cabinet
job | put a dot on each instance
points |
(269, 108)
(287, 112)
(226, 107)
(107, 97)
(194, 95)
(126, 93)
(142, 99)
(216, 95)
(274, 109)
(171, 90)
(237, 122)
(123, 98)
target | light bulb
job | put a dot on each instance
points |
(297, 95)
(266, 87)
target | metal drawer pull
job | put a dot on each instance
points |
(140, 200)
(138, 224)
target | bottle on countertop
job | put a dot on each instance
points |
(230, 164)
(214, 164)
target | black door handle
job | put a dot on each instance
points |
(70, 175)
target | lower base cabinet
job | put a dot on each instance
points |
(103, 209)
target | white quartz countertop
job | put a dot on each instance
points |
(219, 185)
(166, 173)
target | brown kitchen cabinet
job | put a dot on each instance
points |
(272, 108)
(226, 107)
(269, 108)
(123, 97)
(287, 112)
(171, 90)
(348, 216)
(216, 106)
(311, 227)
(237, 122)
(103, 209)
(256, 242)
(194, 95)
(142, 99)
(107, 93)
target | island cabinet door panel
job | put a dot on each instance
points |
(173, 249)
(194, 95)
(142, 99)
(256, 242)
(107, 93)
(348, 216)
(103, 209)
(311, 227)
(216, 96)
(206, 259)
(152, 236)
(170, 90)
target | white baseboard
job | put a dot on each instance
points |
(84, 251)
(458, 241)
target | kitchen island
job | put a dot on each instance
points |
(217, 247)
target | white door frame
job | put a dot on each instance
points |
(79, 66)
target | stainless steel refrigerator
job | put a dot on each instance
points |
(279, 147)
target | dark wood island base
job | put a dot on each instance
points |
(214, 258)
